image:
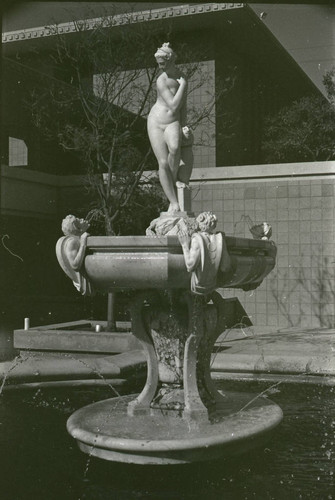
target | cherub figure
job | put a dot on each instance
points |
(70, 251)
(205, 254)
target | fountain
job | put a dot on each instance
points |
(177, 314)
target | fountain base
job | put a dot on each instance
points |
(238, 424)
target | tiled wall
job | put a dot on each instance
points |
(301, 289)
(200, 98)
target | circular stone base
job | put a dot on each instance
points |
(105, 430)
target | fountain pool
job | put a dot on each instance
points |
(39, 460)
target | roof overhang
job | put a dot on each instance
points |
(236, 23)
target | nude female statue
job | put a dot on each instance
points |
(166, 120)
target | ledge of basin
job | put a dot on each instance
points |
(170, 241)
(120, 242)
(91, 425)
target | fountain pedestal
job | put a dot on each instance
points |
(178, 331)
(179, 416)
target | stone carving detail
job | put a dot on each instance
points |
(70, 251)
(261, 231)
(205, 254)
(168, 224)
(170, 137)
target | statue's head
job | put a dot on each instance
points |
(165, 56)
(72, 226)
(207, 222)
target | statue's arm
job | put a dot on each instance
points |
(174, 102)
(191, 253)
(183, 109)
(183, 115)
(76, 255)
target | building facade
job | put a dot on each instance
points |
(40, 184)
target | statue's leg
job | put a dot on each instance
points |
(161, 151)
(141, 405)
(172, 136)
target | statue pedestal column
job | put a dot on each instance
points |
(178, 331)
(184, 195)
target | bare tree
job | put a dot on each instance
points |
(99, 112)
(97, 107)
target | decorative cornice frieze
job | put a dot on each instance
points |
(120, 19)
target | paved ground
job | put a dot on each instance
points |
(286, 352)
(238, 354)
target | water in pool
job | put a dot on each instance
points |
(39, 460)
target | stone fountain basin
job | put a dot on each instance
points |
(105, 430)
(142, 262)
